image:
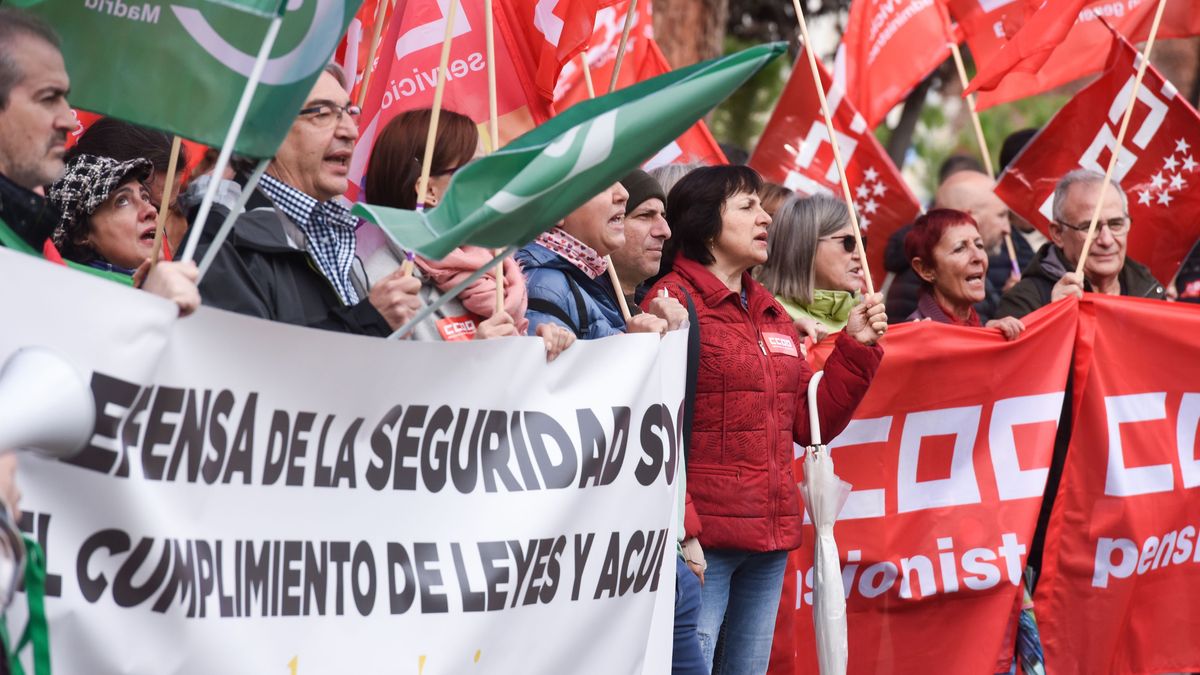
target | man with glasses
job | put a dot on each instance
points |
(1051, 275)
(291, 255)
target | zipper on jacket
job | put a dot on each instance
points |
(772, 430)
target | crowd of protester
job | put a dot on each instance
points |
(752, 271)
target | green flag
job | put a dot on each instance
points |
(512, 195)
(181, 66)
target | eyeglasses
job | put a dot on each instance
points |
(848, 243)
(327, 113)
(1117, 226)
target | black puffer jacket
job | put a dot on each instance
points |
(1037, 281)
(264, 270)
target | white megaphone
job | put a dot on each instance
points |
(45, 405)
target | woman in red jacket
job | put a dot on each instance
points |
(750, 406)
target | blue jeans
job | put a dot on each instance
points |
(686, 658)
(739, 600)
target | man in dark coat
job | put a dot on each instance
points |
(291, 255)
(1107, 270)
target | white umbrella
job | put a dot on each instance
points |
(824, 495)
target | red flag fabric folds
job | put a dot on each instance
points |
(407, 71)
(888, 47)
(1029, 49)
(795, 150)
(550, 33)
(643, 60)
(1159, 169)
(988, 23)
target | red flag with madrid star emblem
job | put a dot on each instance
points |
(1159, 166)
(643, 60)
(795, 150)
(988, 24)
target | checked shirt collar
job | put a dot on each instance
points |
(329, 228)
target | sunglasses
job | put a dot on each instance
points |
(848, 243)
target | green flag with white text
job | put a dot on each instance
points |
(512, 195)
(181, 65)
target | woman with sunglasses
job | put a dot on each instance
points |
(392, 180)
(947, 253)
(813, 267)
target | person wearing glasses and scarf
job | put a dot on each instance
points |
(291, 256)
(1051, 275)
(813, 268)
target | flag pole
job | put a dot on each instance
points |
(230, 218)
(612, 271)
(431, 137)
(161, 226)
(1112, 162)
(981, 140)
(380, 15)
(235, 129)
(837, 152)
(629, 14)
(587, 74)
(493, 125)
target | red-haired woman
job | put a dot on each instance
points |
(946, 251)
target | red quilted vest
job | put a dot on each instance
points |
(750, 406)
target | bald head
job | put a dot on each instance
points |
(973, 192)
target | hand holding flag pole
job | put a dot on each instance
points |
(160, 227)
(438, 92)
(980, 139)
(837, 153)
(1116, 153)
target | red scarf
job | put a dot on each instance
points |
(576, 252)
(480, 297)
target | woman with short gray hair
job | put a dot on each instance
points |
(813, 267)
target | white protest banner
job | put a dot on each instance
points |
(260, 498)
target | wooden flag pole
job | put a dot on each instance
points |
(493, 126)
(981, 140)
(612, 83)
(380, 14)
(431, 137)
(1112, 162)
(587, 74)
(160, 228)
(612, 271)
(837, 152)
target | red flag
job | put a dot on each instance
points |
(1029, 49)
(1159, 170)
(643, 60)
(551, 33)
(355, 47)
(988, 23)
(795, 150)
(887, 49)
(407, 74)
(1120, 575)
(946, 475)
